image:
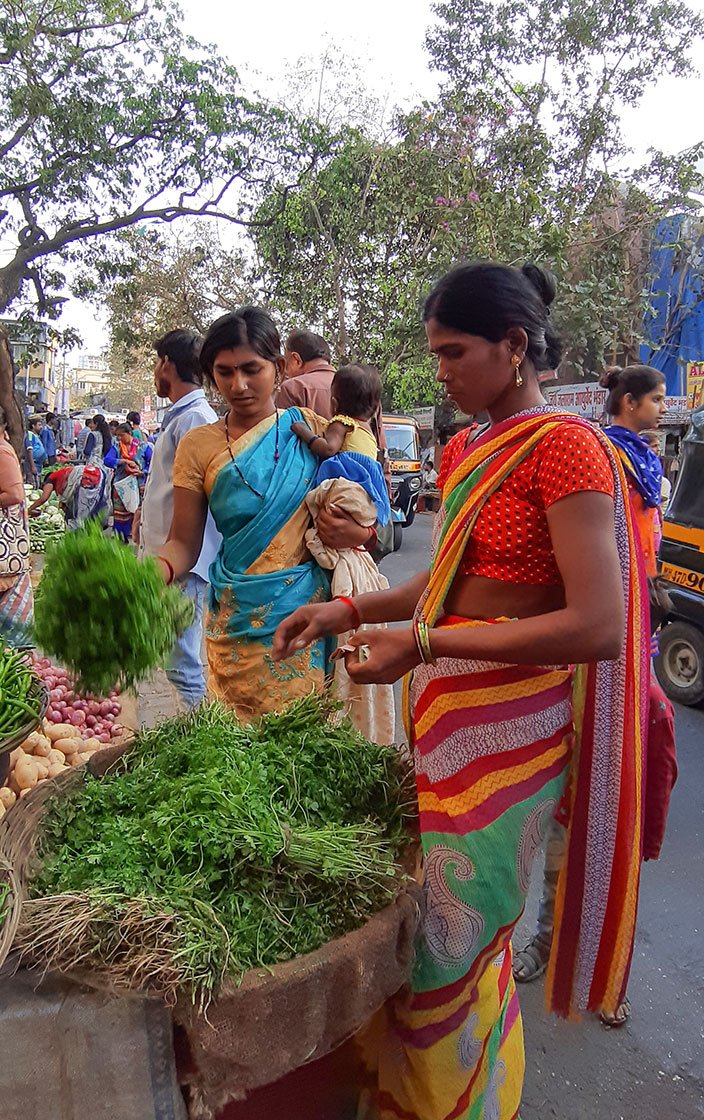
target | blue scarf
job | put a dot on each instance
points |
(642, 465)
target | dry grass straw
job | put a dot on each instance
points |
(125, 944)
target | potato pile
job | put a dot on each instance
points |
(45, 754)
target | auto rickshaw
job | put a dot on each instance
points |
(679, 665)
(403, 448)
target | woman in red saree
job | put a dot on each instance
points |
(534, 570)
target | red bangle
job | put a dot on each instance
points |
(372, 540)
(356, 620)
(172, 573)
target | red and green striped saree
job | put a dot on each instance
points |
(497, 749)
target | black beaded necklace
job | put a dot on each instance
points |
(236, 464)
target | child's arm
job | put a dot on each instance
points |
(323, 447)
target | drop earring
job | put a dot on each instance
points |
(516, 362)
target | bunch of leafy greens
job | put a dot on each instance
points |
(219, 847)
(106, 615)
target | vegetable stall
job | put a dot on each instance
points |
(252, 878)
(250, 886)
(48, 526)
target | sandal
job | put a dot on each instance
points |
(531, 962)
(620, 1016)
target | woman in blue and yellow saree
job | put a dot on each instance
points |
(253, 473)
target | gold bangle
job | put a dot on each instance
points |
(422, 633)
(415, 635)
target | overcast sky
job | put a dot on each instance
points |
(387, 36)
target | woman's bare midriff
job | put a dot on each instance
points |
(482, 598)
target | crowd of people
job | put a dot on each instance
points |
(96, 472)
(525, 641)
(101, 475)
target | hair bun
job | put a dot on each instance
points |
(610, 377)
(542, 280)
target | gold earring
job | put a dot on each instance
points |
(516, 362)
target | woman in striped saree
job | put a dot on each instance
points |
(535, 570)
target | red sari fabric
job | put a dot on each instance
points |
(661, 770)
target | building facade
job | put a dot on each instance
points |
(90, 380)
(34, 357)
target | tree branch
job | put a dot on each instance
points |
(18, 135)
(82, 29)
(34, 234)
(90, 228)
(79, 29)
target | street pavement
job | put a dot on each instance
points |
(653, 1068)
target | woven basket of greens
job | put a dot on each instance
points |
(211, 849)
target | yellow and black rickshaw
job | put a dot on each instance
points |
(403, 448)
(680, 663)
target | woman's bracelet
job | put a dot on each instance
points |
(421, 633)
(372, 540)
(356, 619)
(172, 572)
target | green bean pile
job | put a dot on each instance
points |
(20, 703)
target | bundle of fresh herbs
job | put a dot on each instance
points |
(219, 847)
(106, 615)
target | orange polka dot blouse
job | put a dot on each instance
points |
(511, 538)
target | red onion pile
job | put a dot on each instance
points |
(92, 716)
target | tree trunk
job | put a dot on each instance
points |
(8, 399)
(11, 276)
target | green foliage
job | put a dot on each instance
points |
(407, 387)
(520, 157)
(546, 85)
(154, 282)
(106, 615)
(265, 841)
(112, 117)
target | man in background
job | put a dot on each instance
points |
(34, 450)
(82, 439)
(308, 381)
(309, 374)
(48, 438)
(177, 375)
